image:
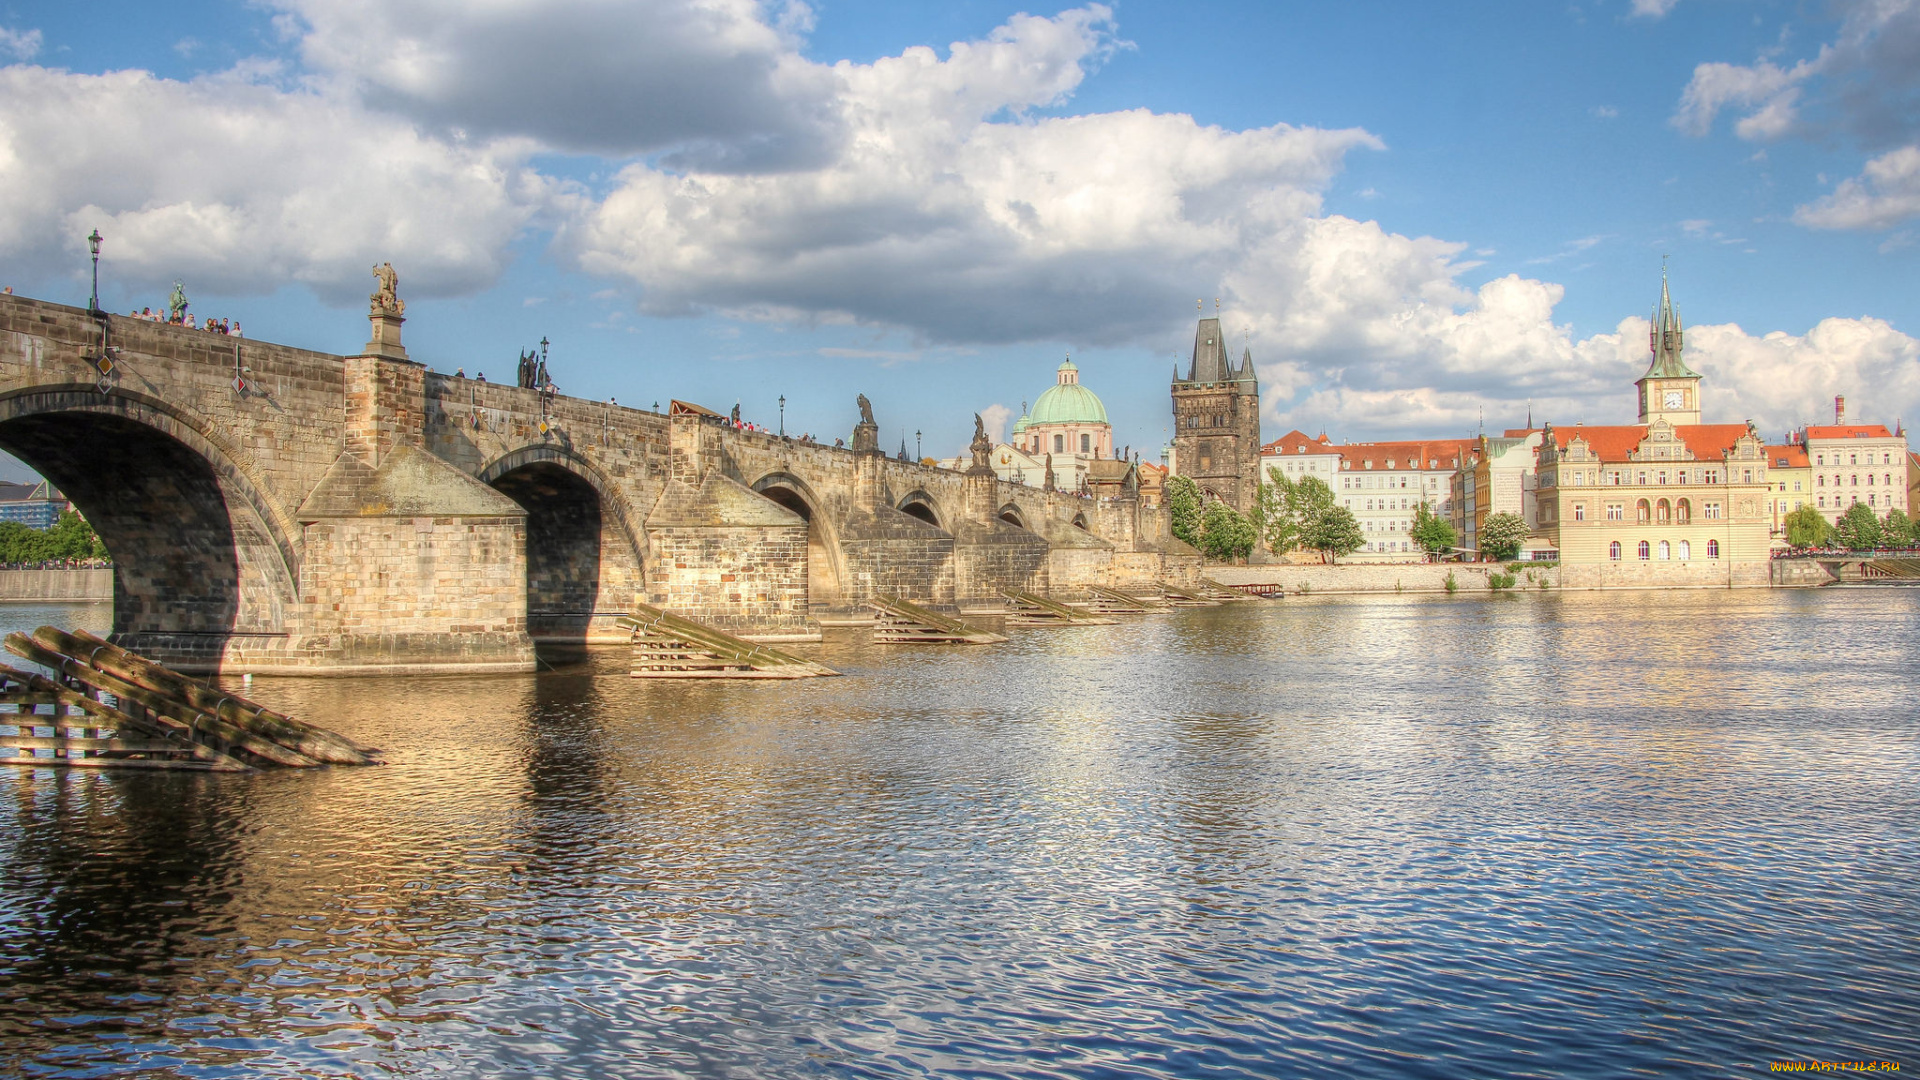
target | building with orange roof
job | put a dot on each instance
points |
(1385, 484)
(1856, 463)
(1668, 502)
(1790, 472)
(1297, 456)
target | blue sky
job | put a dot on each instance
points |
(1415, 214)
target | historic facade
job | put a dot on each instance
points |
(1384, 484)
(1856, 463)
(1216, 421)
(1665, 503)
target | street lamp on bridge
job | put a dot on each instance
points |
(93, 245)
(783, 416)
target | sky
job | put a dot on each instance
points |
(1419, 218)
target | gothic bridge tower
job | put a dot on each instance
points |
(1216, 419)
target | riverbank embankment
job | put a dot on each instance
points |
(1382, 577)
(39, 586)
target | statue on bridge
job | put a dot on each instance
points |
(866, 434)
(982, 447)
(177, 303)
(386, 299)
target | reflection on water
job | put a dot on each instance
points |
(1538, 835)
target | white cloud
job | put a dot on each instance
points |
(237, 186)
(994, 417)
(712, 79)
(19, 44)
(1780, 380)
(1867, 81)
(1653, 9)
(1605, 112)
(1884, 195)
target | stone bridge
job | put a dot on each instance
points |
(273, 509)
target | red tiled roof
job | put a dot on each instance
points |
(1291, 442)
(1614, 442)
(1445, 453)
(1849, 431)
(1790, 456)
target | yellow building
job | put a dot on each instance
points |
(1668, 502)
(1790, 475)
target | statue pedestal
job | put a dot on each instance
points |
(386, 336)
(866, 437)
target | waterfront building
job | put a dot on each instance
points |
(1298, 457)
(1855, 463)
(1667, 502)
(37, 506)
(1791, 477)
(1216, 421)
(1500, 479)
(1385, 483)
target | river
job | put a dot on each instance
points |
(1539, 835)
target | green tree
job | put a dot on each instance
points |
(72, 537)
(1224, 534)
(1858, 528)
(1281, 529)
(1897, 530)
(1183, 508)
(1332, 530)
(1502, 535)
(1806, 528)
(1432, 532)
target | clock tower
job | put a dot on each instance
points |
(1669, 390)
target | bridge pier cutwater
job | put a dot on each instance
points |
(272, 509)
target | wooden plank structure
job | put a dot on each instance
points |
(116, 709)
(1264, 590)
(897, 622)
(1104, 601)
(1213, 590)
(1026, 609)
(1180, 597)
(667, 646)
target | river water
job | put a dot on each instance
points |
(1540, 835)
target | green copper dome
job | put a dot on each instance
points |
(1067, 402)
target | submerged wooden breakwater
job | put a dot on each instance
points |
(111, 708)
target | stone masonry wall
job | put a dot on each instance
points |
(745, 580)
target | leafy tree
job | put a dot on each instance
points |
(1432, 532)
(1897, 530)
(1858, 528)
(1806, 528)
(1502, 535)
(1333, 530)
(1224, 534)
(1281, 532)
(68, 538)
(1183, 508)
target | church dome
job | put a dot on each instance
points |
(1020, 425)
(1067, 402)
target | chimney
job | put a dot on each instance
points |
(1839, 409)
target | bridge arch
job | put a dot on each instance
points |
(1080, 522)
(826, 570)
(1010, 513)
(918, 504)
(201, 554)
(584, 557)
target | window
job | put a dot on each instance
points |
(1869, 479)
(1613, 551)
(1579, 511)
(1643, 477)
(1711, 511)
(1712, 477)
(1059, 444)
(1820, 459)
(1822, 502)
(1870, 500)
(1686, 551)
(1642, 512)
(1645, 551)
(1616, 512)
(1663, 476)
(1748, 477)
(1666, 551)
(1663, 512)
(1682, 511)
(1854, 480)
(1086, 444)
(1713, 549)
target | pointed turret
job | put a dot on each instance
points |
(1666, 339)
(1670, 390)
(1210, 358)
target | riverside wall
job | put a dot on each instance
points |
(31, 586)
(1379, 577)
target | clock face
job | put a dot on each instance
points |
(1676, 399)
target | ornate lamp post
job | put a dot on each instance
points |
(916, 444)
(783, 416)
(93, 244)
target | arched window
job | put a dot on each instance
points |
(1664, 511)
(1641, 512)
(1645, 550)
(1666, 551)
(1686, 551)
(1683, 511)
(1713, 549)
(1613, 551)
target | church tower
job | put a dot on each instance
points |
(1669, 390)
(1216, 420)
